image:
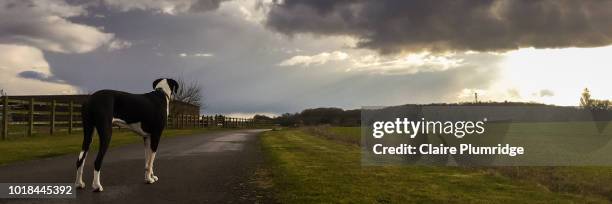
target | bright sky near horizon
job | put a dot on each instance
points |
(265, 57)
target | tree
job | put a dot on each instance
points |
(262, 117)
(601, 105)
(586, 101)
(189, 92)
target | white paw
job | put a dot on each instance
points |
(97, 188)
(154, 177)
(150, 180)
(79, 184)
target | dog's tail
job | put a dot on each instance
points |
(88, 128)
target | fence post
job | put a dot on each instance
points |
(182, 125)
(31, 117)
(5, 118)
(52, 118)
(71, 117)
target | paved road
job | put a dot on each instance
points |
(208, 168)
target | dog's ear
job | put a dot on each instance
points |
(173, 85)
(156, 82)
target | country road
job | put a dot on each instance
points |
(207, 168)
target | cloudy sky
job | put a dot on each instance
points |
(284, 56)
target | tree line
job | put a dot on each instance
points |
(317, 116)
(587, 102)
(341, 117)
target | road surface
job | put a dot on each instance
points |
(208, 168)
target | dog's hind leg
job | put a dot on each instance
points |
(104, 128)
(88, 129)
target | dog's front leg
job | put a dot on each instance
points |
(148, 174)
(153, 142)
(150, 169)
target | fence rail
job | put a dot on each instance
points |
(28, 117)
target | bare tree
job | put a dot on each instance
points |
(189, 92)
(585, 101)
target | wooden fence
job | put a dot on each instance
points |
(28, 117)
(194, 121)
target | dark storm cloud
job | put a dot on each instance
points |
(442, 25)
(243, 75)
(164, 6)
(40, 76)
(205, 5)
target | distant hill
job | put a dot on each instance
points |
(514, 111)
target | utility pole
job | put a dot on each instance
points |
(475, 97)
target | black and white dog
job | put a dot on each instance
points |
(144, 114)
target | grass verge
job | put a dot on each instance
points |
(41, 146)
(311, 169)
(584, 180)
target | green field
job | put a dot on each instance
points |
(323, 165)
(41, 146)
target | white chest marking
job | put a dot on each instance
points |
(167, 107)
(135, 127)
(165, 87)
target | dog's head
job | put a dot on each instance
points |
(167, 85)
